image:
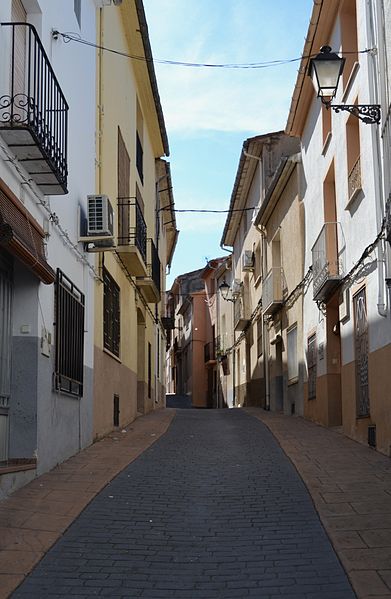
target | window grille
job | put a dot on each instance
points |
(111, 314)
(312, 364)
(69, 362)
(293, 367)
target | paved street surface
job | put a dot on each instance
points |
(213, 509)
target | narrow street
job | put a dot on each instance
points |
(213, 509)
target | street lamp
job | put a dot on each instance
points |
(225, 290)
(325, 71)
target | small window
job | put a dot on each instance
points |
(139, 158)
(69, 363)
(77, 9)
(293, 368)
(111, 314)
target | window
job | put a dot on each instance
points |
(257, 262)
(353, 157)
(349, 48)
(326, 126)
(139, 143)
(361, 343)
(111, 314)
(139, 158)
(293, 367)
(312, 363)
(69, 363)
(77, 9)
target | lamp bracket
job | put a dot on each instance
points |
(367, 113)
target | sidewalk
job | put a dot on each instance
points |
(34, 517)
(351, 487)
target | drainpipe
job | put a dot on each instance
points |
(378, 175)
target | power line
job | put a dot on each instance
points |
(74, 37)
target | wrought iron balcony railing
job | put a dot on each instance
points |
(151, 282)
(241, 313)
(272, 290)
(34, 112)
(328, 261)
(132, 228)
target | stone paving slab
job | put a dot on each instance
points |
(213, 510)
(351, 488)
(33, 518)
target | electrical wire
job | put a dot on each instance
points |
(75, 37)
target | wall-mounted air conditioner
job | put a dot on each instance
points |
(100, 216)
(97, 229)
(248, 260)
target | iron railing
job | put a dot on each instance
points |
(328, 256)
(132, 228)
(36, 101)
(272, 288)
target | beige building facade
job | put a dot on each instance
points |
(131, 142)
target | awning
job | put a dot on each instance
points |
(22, 236)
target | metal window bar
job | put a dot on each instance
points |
(69, 363)
(111, 314)
(328, 255)
(41, 106)
(136, 233)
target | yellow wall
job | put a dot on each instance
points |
(117, 91)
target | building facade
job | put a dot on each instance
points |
(46, 277)
(347, 330)
(131, 142)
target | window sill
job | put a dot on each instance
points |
(353, 197)
(109, 353)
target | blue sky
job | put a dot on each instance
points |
(210, 112)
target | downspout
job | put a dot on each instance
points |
(378, 175)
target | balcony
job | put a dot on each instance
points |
(272, 290)
(210, 353)
(132, 238)
(241, 315)
(150, 284)
(34, 112)
(328, 261)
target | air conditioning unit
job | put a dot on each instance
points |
(100, 217)
(247, 260)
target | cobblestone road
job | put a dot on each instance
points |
(212, 510)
